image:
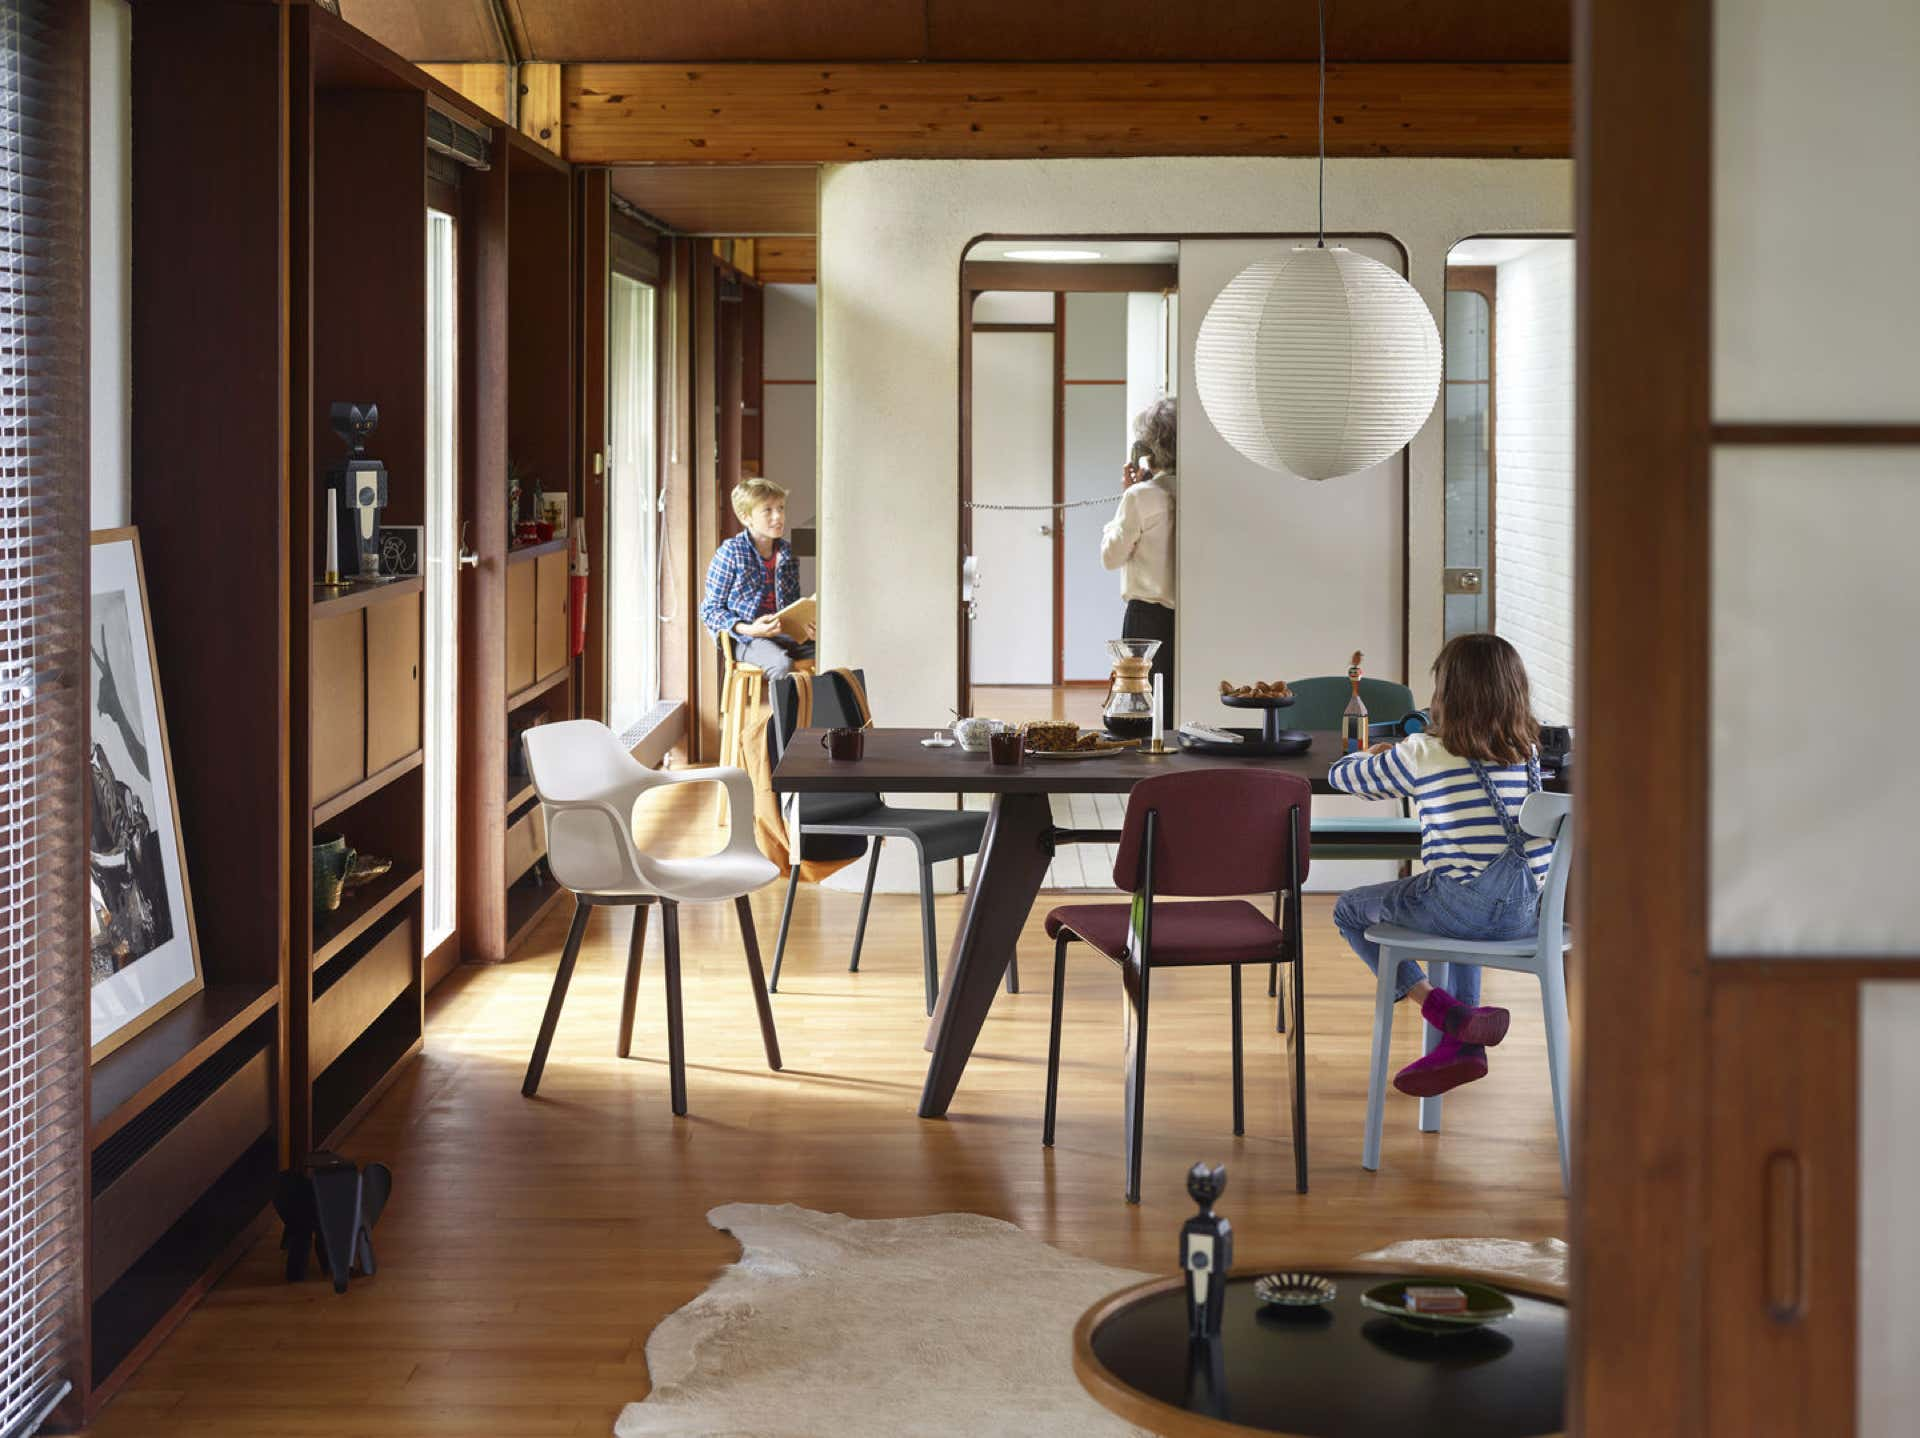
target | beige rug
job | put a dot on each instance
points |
(837, 1327)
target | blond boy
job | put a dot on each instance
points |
(753, 575)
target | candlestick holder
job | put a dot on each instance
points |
(1155, 747)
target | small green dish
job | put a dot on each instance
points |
(1484, 1305)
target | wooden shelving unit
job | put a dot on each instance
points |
(281, 216)
(515, 665)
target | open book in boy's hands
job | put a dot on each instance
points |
(797, 616)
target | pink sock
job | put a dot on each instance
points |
(1434, 1008)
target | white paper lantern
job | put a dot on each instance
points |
(1320, 363)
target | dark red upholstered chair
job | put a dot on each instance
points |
(1206, 835)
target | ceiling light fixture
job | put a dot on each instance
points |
(1321, 363)
(1058, 255)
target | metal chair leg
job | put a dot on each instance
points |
(1013, 974)
(751, 940)
(562, 976)
(929, 960)
(676, 1037)
(1136, 1091)
(630, 996)
(1297, 1049)
(786, 922)
(1239, 1063)
(866, 902)
(1273, 970)
(1053, 1036)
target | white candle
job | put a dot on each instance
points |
(1159, 733)
(333, 537)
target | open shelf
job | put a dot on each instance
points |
(519, 791)
(339, 804)
(360, 911)
(540, 686)
(328, 601)
(130, 1078)
(354, 1081)
(531, 551)
(529, 899)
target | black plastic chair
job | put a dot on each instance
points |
(839, 826)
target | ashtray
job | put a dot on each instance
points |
(1294, 1290)
(1484, 1305)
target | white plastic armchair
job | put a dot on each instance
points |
(590, 787)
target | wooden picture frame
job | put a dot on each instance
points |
(143, 952)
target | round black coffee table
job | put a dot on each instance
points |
(1338, 1371)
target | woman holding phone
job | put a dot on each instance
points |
(1138, 540)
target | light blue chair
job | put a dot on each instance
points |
(1544, 956)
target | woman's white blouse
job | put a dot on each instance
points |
(1138, 541)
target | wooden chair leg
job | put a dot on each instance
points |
(752, 941)
(562, 976)
(866, 902)
(676, 1037)
(1437, 975)
(1297, 1050)
(929, 959)
(786, 922)
(630, 997)
(1053, 1036)
(1135, 1116)
(1239, 1062)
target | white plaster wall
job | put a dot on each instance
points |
(1533, 470)
(110, 258)
(892, 234)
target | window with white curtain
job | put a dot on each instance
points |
(440, 653)
(43, 598)
(633, 498)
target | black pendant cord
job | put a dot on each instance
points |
(1321, 8)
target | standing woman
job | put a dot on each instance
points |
(1138, 540)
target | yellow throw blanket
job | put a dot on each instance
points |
(769, 826)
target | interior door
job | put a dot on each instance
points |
(1012, 427)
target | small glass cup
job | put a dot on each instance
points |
(1008, 748)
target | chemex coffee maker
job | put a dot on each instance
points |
(358, 490)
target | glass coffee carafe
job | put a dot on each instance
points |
(1128, 712)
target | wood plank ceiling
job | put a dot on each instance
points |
(715, 116)
(1515, 32)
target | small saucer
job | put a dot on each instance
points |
(936, 741)
(1294, 1290)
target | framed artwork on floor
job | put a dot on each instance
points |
(143, 955)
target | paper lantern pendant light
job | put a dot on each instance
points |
(1319, 363)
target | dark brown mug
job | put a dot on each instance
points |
(1008, 747)
(847, 744)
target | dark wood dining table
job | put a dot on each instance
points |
(1020, 842)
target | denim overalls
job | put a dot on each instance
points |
(1502, 901)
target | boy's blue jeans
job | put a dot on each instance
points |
(1501, 902)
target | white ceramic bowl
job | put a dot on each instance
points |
(973, 734)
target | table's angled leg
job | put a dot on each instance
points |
(1012, 865)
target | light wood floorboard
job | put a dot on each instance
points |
(532, 1245)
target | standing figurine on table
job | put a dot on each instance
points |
(1206, 1251)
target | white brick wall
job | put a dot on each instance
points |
(1533, 473)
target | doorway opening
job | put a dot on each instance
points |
(1063, 344)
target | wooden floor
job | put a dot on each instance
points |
(531, 1245)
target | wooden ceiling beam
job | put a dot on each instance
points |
(624, 113)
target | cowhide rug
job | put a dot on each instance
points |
(837, 1327)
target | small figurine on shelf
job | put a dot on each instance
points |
(359, 490)
(1353, 721)
(1206, 1251)
(516, 483)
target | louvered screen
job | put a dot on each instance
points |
(43, 595)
